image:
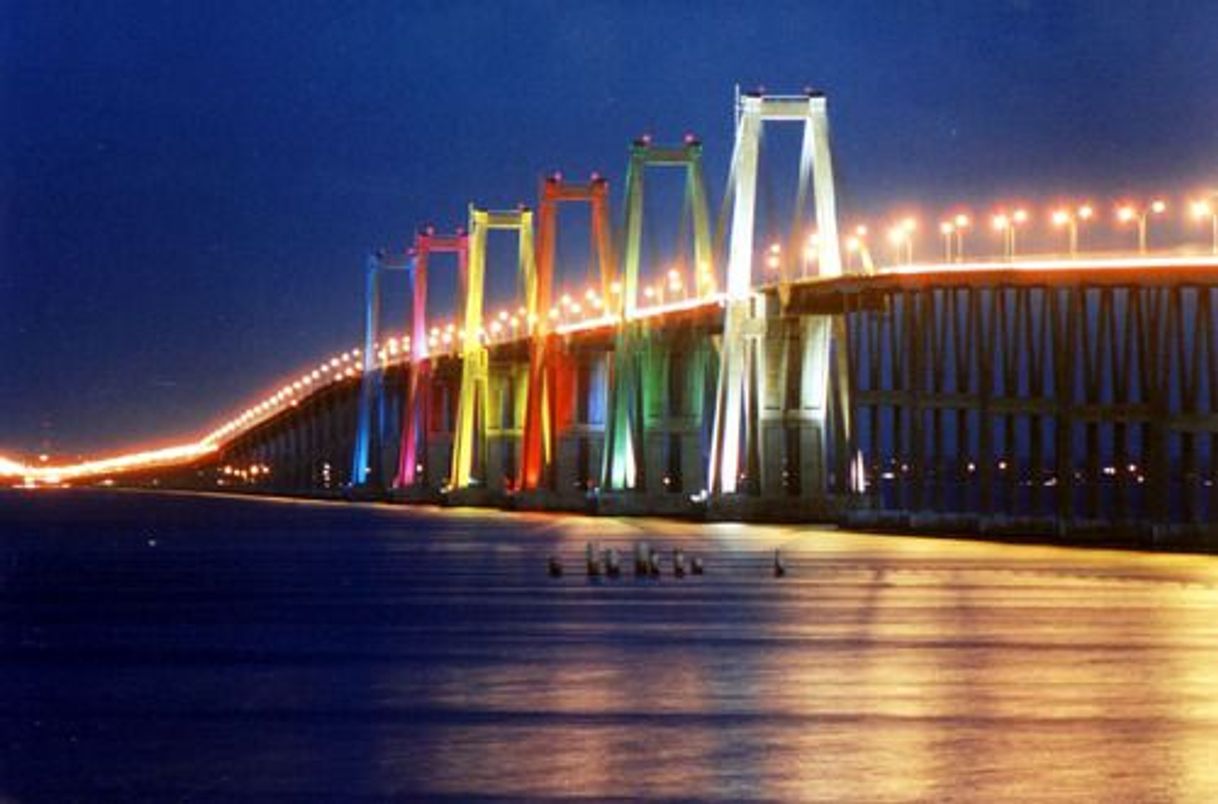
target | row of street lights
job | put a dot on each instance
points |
(901, 235)
(1007, 224)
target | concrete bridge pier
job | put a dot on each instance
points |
(795, 461)
(507, 392)
(577, 391)
(661, 419)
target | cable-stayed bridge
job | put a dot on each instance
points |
(805, 378)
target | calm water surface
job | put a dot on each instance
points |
(172, 647)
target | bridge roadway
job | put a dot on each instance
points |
(1050, 398)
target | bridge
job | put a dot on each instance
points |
(804, 379)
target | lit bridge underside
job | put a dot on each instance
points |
(1030, 396)
(1033, 398)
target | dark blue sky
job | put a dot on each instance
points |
(188, 188)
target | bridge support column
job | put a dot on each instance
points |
(754, 357)
(636, 453)
(470, 466)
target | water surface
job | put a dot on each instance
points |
(175, 647)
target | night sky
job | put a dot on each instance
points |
(189, 188)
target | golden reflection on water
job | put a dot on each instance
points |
(882, 669)
(263, 650)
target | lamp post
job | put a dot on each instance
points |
(1018, 218)
(857, 244)
(811, 252)
(1002, 224)
(1007, 225)
(1070, 219)
(960, 222)
(773, 260)
(901, 238)
(948, 230)
(898, 238)
(1129, 213)
(675, 285)
(853, 246)
(1208, 208)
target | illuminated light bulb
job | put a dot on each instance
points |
(520, 311)
(1001, 222)
(576, 308)
(649, 292)
(1085, 212)
(496, 328)
(503, 315)
(590, 294)
(1126, 214)
(853, 244)
(1019, 216)
(897, 235)
(860, 231)
(448, 338)
(1061, 217)
(776, 248)
(961, 221)
(615, 287)
(1201, 209)
(1157, 206)
(565, 299)
(947, 227)
(909, 224)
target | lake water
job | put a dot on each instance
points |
(180, 648)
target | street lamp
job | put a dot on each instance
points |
(901, 238)
(948, 230)
(1208, 208)
(1128, 213)
(961, 222)
(857, 244)
(1006, 225)
(773, 260)
(853, 246)
(811, 251)
(1002, 224)
(1018, 218)
(1070, 219)
(675, 285)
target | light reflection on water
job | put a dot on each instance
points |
(262, 648)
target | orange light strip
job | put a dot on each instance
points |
(1056, 264)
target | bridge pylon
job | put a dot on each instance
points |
(623, 461)
(412, 463)
(469, 458)
(370, 426)
(538, 450)
(737, 462)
